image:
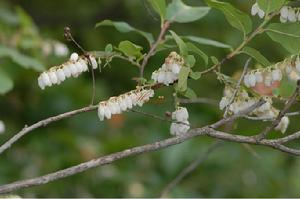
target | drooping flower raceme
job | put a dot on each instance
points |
(256, 10)
(72, 68)
(126, 101)
(2, 127)
(181, 124)
(168, 73)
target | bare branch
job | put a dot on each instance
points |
(190, 168)
(288, 104)
(238, 85)
(199, 101)
(43, 123)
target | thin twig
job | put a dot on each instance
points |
(281, 114)
(163, 30)
(198, 101)
(237, 88)
(189, 169)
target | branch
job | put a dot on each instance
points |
(288, 104)
(163, 30)
(190, 168)
(43, 123)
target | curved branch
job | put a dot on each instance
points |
(42, 123)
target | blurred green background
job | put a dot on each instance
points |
(231, 171)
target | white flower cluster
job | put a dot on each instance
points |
(289, 14)
(182, 125)
(55, 47)
(292, 68)
(283, 124)
(256, 10)
(168, 73)
(243, 101)
(2, 127)
(74, 67)
(266, 76)
(116, 105)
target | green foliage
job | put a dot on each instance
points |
(177, 11)
(125, 28)
(234, 16)
(195, 75)
(182, 78)
(189, 93)
(6, 84)
(287, 34)
(160, 7)
(195, 49)
(180, 43)
(206, 41)
(270, 6)
(21, 59)
(256, 55)
(130, 49)
(108, 48)
(286, 89)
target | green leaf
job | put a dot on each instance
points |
(206, 41)
(160, 7)
(256, 55)
(108, 48)
(270, 6)
(189, 93)
(182, 78)
(287, 87)
(190, 61)
(214, 59)
(195, 49)
(130, 49)
(287, 34)
(125, 28)
(180, 43)
(234, 16)
(21, 59)
(195, 75)
(179, 12)
(6, 84)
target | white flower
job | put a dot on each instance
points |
(53, 77)
(83, 64)
(283, 20)
(268, 80)
(46, 79)
(60, 49)
(292, 15)
(261, 13)
(60, 75)
(254, 9)
(2, 127)
(224, 102)
(74, 57)
(252, 80)
(181, 114)
(67, 71)
(93, 62)
(41, 83)
(297, 63)
(283, 124)
(246, 81)
(178, 129)
(288, 69)
(175, 68)
(284, 12)
(73, 69)
(79, 67)
(276, 75)
(258, 76)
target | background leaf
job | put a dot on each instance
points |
(256, 55)
(180, 43)
(125, 28)
(179, 12)
(6, 84)
(21, 59)
(195, 49)
(182, 78)
(270, 6)
(189, 93)
(130, 49)
(160, 7)
(234, 16)
(287, 87)
(287, 34)
(206, 41)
